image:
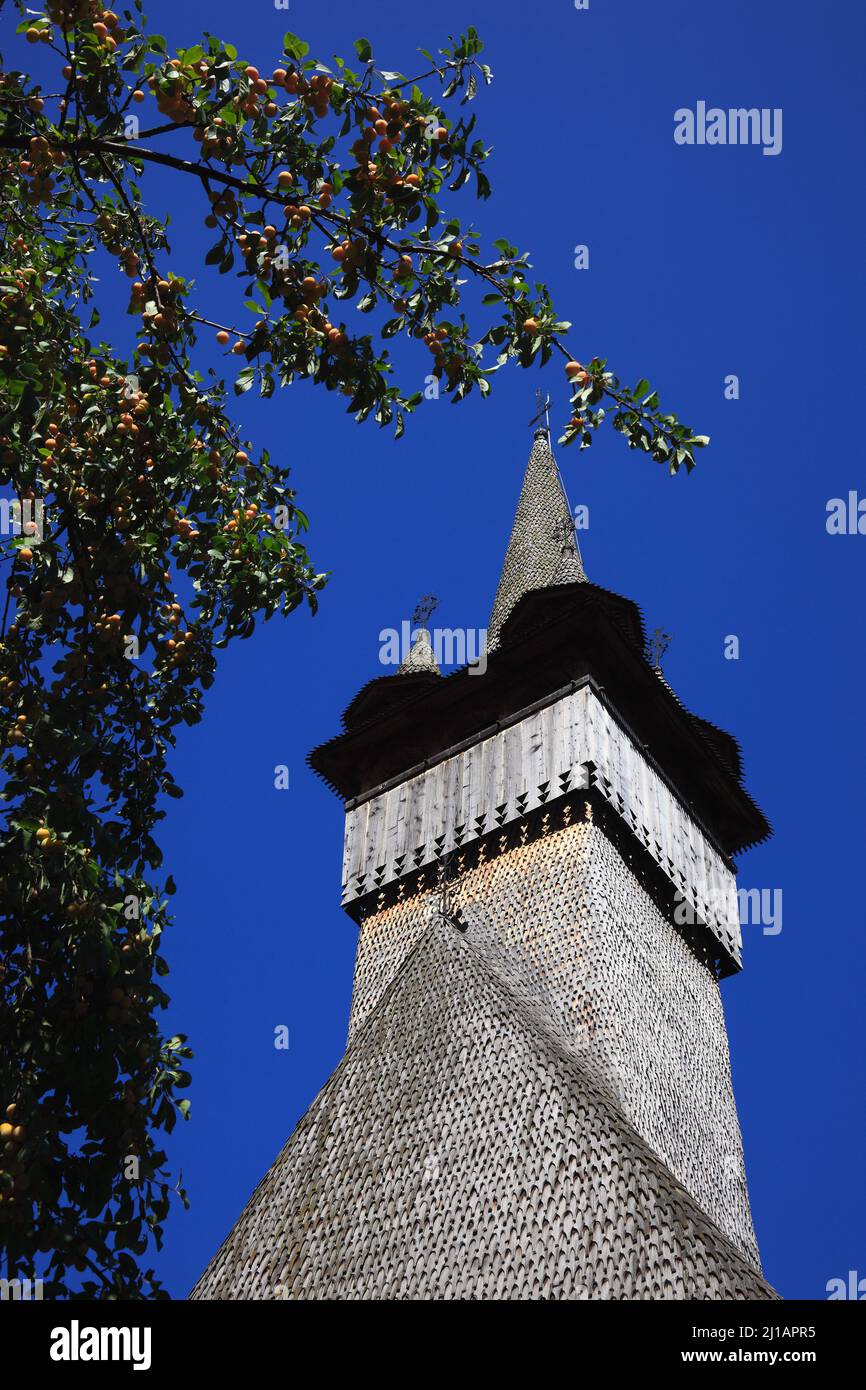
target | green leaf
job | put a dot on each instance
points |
(364, 50)
(295, 48)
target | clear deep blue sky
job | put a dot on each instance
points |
(703, 262)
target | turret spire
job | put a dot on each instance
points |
(543, 548)
(420, 657)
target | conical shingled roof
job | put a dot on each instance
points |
(459, 1104)
(543, 548)
(420, 656)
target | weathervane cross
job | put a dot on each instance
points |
(658, 644)
(543, 410)
(563, 532)
(424, 608)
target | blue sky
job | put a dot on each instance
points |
(704, 262)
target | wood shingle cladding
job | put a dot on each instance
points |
(466, 1148)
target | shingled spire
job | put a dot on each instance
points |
(543, 548)
(420, 657)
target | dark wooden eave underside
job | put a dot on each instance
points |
(554, 636)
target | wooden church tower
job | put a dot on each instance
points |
(535, 1099)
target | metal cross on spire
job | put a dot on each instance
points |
(563, 532)
(427, 605)
(658, 645)
(543, 410)
(448, 908)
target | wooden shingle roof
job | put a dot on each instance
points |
(464, 1149)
